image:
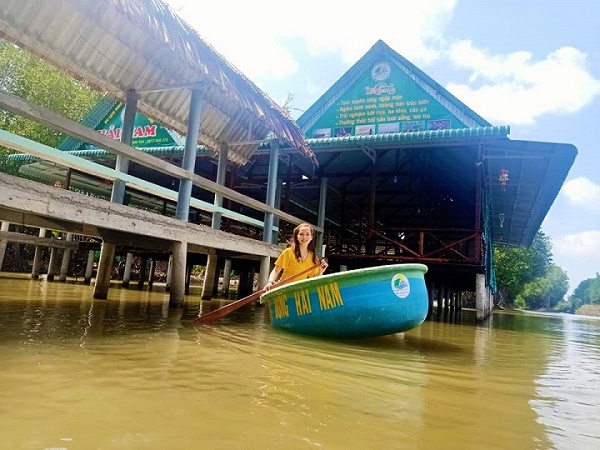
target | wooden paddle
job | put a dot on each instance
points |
(224, 310)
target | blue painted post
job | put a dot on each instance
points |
(107, 250)
(278, 190)
(271, 189)
(178, 272)
(221, 174)
(122, 164)
(189, 154)
(265, 262)
(210, 275)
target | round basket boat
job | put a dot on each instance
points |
(355, 304)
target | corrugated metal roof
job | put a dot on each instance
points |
(412, 138)
(97, 153)
(93, 118)
(394, 139)
(118, 45)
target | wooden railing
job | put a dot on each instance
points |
(46, 117)
(406, 244)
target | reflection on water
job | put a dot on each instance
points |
(130, 373)
(568, 389)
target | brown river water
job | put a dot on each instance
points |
(130, 373)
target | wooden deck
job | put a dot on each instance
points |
(33, 204)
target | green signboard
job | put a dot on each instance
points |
(146, 133)
(384, 100)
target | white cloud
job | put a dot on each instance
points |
(264, 37)
(582, 192)
(581, 245)
(516, 89)
(252, 35)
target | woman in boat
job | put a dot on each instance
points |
(299, 256)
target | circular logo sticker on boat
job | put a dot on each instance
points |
(400, 285)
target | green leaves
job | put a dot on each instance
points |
(527, 277)
(587, 293)
(29, 77)
(545, 292)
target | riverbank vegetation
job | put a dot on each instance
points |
(29, 77)
(527, 278)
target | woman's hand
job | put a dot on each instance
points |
(268, 286)
(324, 266)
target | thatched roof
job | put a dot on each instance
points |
(118, 45)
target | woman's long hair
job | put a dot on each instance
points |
(311, 245)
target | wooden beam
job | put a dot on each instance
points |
(20, 238)
(29, 199)
(91, 168)
(55, 121)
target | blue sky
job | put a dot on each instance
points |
(530, 64)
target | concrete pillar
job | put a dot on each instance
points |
(107, 255)
(37, 257)
(151, 273)
(127, 270)
(168, 277)
(89, 268)
(105, 267)
(343, 267)
(480, 296)
(177, 291)
(188, 278)
(245, 286)
(52, 264)
(209, 275)
(430, 297)
(265, 269)
(143, 272)
(215, 291)
(66, 259)
(226, 277)
(3, 242)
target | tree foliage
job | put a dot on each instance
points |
(527, 277)
(544, 292)
(587, 293)
(30, 77)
